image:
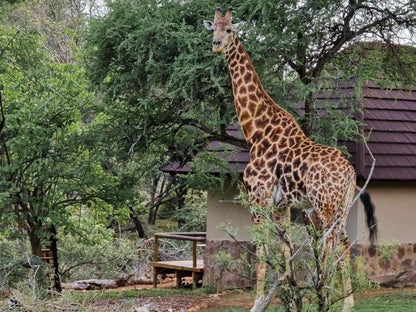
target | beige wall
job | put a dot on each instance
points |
(222, 212)
(395, 211)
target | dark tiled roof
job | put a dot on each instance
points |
(390, 122)
(176, 167)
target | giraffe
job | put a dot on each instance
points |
(286, 169)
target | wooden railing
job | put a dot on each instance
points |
(178, 266)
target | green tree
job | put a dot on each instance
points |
(158, 78)
(59, 22)
(165, 95)
(160, 82)
(47, 166)
(156, 108)
(306, 36)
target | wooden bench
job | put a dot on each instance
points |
(181, 268)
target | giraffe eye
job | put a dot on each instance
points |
(228, 30)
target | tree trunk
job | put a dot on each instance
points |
(35, 242)
(54, 248)
(180, 199)
(153, 207)
(137, 223)
(3, 117)
(152, 215)
(307, 124)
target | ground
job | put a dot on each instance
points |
(202, 302)
(178, 302)
(168, 299)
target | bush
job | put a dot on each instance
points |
(361, 275)
(193, 216)
(19, 269)
(101, 255)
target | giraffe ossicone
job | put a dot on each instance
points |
(286, 168)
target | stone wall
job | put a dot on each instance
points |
(387, 261)
(229, 264)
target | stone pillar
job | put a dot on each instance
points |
(229, 264)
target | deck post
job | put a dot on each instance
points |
(181, 268)
(194, 275)
(155, 259)
(194, 254)
(194, 280)
(156, 249)
(179, 274)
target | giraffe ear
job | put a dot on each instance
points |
(209, 25)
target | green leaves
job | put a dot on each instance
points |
(46, 163)
(162, 88)
(159, 67)
(160, 93)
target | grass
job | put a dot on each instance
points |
(130, 293)
(395, 301)
(84, 300)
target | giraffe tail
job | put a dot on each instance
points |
(371, 220)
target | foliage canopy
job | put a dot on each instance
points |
(162, 84)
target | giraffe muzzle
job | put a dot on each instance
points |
(216, 46)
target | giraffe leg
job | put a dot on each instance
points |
(261, 267)
(260, 198)
(346, 275)
(284, 221)
(290, 294)
(313, 225)
(349, 298)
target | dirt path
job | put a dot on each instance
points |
(140, 298)
(181, 302)
(177, 303)
(206, 302)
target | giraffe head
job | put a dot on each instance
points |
(222, 28)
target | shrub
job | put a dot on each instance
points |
(193, 216)
(101, 255)
(19, 269)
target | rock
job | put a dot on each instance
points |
(13, 303)
(124, 280)
(406, 278)
(94, 284)
(145, 308)
(91, 284)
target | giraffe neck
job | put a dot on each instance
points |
(255, 108)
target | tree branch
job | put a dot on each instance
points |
(226, 138)
(346, 34)
(3, 117)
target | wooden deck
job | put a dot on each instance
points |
(185, 265)
(181, 268)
